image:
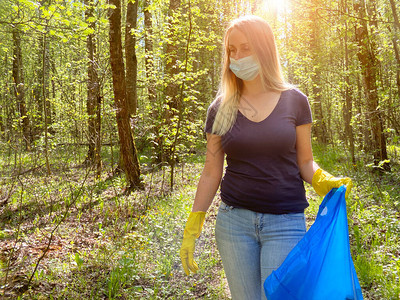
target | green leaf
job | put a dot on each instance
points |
(79, 261)
(88, 31)
(91, 19)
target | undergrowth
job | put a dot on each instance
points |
(374, 220)
(112, 246)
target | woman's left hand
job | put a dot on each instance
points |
(323, 182)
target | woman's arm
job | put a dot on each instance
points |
(321, 180)
(305, 159)
(211, 175)
(208, 185)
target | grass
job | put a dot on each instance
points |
(109, 245)
(113, 246)
(374, 221)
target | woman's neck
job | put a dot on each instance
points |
(253, 87)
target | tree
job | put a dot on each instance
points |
(172, 69)
(317, 94)
(367, 57)
(93, 96)
(19, 87)
(45, 94)
(127, 144)
(148, 46)
(130, 55)
(347, 107)
(395, 42)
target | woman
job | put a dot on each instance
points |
(263, 126)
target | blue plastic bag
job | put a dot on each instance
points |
(320, 265)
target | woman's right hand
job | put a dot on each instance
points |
(192, 231)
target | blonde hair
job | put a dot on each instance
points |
(262, 42)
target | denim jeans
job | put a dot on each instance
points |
(252, 245)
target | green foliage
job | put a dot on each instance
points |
(132, 244)
(79, 261)
(163, 128)
(374, 226)
(124, 272)
(127, 246)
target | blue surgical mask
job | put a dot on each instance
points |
(245, 68)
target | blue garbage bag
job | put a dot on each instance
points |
(320, 265)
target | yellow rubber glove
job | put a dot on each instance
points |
(323, 182)
(192, 231)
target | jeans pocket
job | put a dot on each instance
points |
(295, 221)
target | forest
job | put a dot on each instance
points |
(102, 112)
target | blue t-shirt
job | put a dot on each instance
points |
(262, 174)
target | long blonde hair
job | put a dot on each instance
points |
(262, 42)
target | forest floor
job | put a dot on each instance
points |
(70, 236)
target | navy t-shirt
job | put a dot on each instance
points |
(262, 174)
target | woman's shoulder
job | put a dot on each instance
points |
(295, 93)
(215, 104)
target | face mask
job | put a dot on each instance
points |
(245, 68)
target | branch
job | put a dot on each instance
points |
(341, 13)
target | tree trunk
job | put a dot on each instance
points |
(93, 99)
(395, 43)
(19, 88)
(368, 61)
(45, 105)
(348, 105)
(171, 69)
(319, 126)
(148, 46)
(151, 91)
(130, 55)
(127, 143)
(397, 55)
(41, 93)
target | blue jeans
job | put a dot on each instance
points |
(252, 245)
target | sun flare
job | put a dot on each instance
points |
(275, 6)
